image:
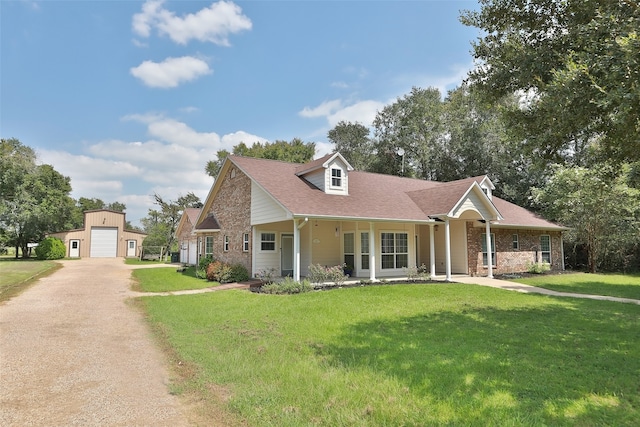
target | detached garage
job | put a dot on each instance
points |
(103, 236)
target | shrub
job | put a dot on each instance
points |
(538, 268)
(218, 271)
(321, 274)
(287, 286)
(266, 275)
(51, 248)
(239, 273)
(201, 271)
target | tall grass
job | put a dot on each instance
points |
(408, 355)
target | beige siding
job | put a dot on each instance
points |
(100, 219)
(325, 245)
(459, 247)
(263, 208)
(472, 202)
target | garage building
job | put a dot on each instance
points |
(103, 236)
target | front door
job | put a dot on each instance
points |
(286, 255)
(131, 248)
(74, 248)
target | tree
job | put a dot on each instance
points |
(353, 142)
(161, 225)
(579, 63)
(34, 199)
(602, 210)
(295, 151)
(409, 135)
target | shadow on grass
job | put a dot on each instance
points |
(556, 365)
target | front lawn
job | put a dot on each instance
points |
(17, 274)
(413, 355)
(615, 285)
(162, 279)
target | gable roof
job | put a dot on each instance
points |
(322, 162)
(375, 196)
(188, 219)
(210, 223)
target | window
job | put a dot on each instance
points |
(395, 250)
(132, 244)
(514, 242)
(225, 244)
(364, 251)
(74, 244)
(349, 250)
(268, 242)
(245, 242)
(208, 245)
(484, 249)
(545, 248)
(336, 177)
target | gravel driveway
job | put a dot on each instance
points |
(73, 352)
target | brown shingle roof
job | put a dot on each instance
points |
(371, 195)
(192, 214)
(209, 223)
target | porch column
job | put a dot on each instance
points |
(489, 257)
(372, 253)
(447, 248)
(297, 225)
(432, 251)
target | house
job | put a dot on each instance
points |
(186, 236)
(269, 214)
(103, 236)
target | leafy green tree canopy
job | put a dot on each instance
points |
(353, 142)
(601, 208)
(295, 151)
(34, 199)
(579, 63)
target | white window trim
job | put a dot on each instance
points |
(494, 261)
(341, 178)
(543, 252)
(206, 238)
(225, 244)
(275, 240)
(515, 240)
(245, 242)
(395, 249)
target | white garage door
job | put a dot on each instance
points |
(104, 242)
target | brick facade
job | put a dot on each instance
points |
(508, 259)
(232, 208)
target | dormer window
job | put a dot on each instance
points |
(336, 177)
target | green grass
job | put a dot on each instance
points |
(17, 275)
(137, 261)
(616, 285)
(168, 280)
(410, 355)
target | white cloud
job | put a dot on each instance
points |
(363, 112)
(212, 24)
(232, 139)
(171, 72)
(324, 109)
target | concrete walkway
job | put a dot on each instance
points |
(519, 287)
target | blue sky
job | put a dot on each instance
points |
(129, 98)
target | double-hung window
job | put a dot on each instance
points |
(515, 244)
(268, 242)
(208, 245)
(225, 244)
(245, 242)
(364, 250)
(395, 250)
(484, 249)
(545, 248)
(336, 177)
